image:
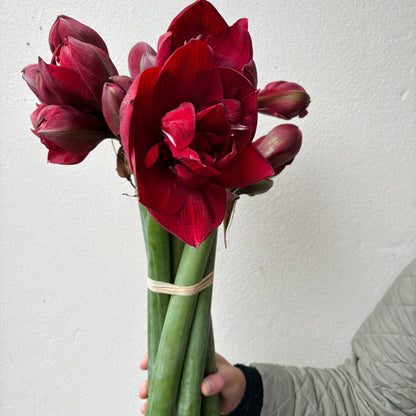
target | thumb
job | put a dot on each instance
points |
(212, 384)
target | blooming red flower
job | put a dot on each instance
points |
(231, 45)
(73, 81)
(187, 131)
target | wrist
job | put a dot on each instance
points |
(251, 401)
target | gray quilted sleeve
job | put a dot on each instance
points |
(379, 379)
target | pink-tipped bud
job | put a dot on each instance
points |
(113, 94)
(283, 99)
(65, 26)
(141, 57)
(280, 146)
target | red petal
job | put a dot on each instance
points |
(200, 18)
(247, 167)
(66, 26)
(31, 76)
(59, 85)
(60, 156)
(213, 120)
(73, 131)
(202, 212)
(233, 110)
(179, 125)
(160, 190)
(164, 46)
(233, 46)
(237, 87)
(139, 129)
(152, 156)
(189, 75)
(226, 153)
(92, 64)
(191, 179)
(250, 71)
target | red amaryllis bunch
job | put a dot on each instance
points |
(186, 121)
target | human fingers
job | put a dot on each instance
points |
(144, 362)
(143, 390)
(143, 408)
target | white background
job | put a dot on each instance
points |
(305, 263)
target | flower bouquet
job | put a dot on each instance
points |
(185, 120)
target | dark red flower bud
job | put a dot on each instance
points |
(113, 95)
(283, 99)
(141, 57)
(280, 146)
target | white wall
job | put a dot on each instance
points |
(305, 263)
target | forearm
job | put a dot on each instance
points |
(274, 390)
(306, 391)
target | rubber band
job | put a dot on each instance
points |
(172, 289)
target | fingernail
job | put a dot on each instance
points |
(209, 386)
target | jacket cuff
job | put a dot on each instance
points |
(252, 400)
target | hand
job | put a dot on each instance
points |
(228, 381)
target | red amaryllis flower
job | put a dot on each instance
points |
(186, 129)
(232, 45)
(74, 81)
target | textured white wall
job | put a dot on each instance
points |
(306, 262)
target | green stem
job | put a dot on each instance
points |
(189, 399)
(173, 342)
(176, 249)
(158, 260)
(210, 405)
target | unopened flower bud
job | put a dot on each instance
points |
(142, 56)
(113, 94)
(283, 99)
(280, 146)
